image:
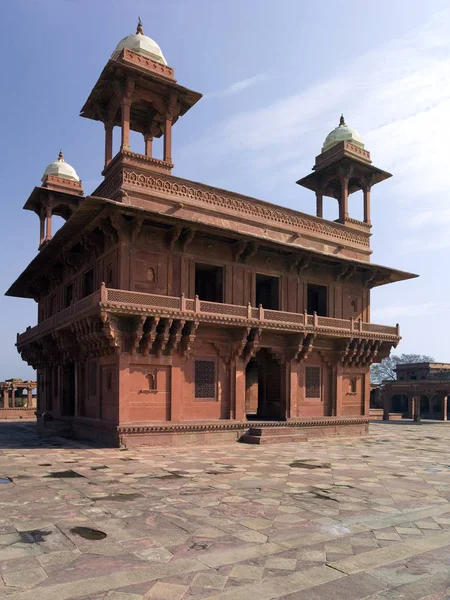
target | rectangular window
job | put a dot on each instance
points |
(317, 300)
(88, 283)
(209, 283)
(312, 378)
(205, 379)
(268, 292)
(68, 295)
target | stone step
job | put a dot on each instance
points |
(273, 438)
(269, 431)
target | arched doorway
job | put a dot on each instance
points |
(263, 393)
(424, 406)
(399, 404)
(436, 407)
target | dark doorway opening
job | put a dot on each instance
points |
(399, 404)
(263, 393)
(209, 282)
(317, 300)
(268, 292)
(88, 283)
(424, 406)
(68, 390)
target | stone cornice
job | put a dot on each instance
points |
(242, 207)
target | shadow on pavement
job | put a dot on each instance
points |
(22, 434)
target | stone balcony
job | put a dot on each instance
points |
(125, 302)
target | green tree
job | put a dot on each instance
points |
(385, 370)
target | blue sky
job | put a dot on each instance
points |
(275, 78)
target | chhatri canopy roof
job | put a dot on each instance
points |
(60, 168)
(342, 133)
(141, 44)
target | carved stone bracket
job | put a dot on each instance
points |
(188, 338)
(307, 347)
(111, 330)
(252, 345)
(163, 336)
(149, 335)
(237, 347)
(136, 333)
(173, 235)
(238, 249)
(176, 333)
(186, 238)
(345, 273)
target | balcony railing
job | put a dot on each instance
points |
(181, 307)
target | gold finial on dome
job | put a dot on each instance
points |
(341, 121)
(61, 156)
(139, 27)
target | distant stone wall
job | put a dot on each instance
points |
(17, 413)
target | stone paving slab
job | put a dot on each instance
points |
(342, 518)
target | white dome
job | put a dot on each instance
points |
(141, 44)
(342, 133)
(61, 169)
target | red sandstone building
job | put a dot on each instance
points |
(170, 310)
(421, 390)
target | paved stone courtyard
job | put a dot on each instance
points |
(334, 519)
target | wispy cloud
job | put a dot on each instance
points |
(397, 94)
(393, 313)
(239, 86)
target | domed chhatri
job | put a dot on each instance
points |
(60, 168)
(141, 44)
(342, 133)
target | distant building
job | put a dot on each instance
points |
(17, 393)
(422, 387)
(171, 311)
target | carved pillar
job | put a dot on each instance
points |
(126, 109)
(148, 140)
(176, 390)
(30, 398)
(319, 204)
(168, 141)
(6, 397)
(444, 407)
(343, 204)
(42, 229)
(366, 191)
(410, 408)
(291, 389)
(339, 387)
(240, 390)
(13, 397)
(108, 142)
(48, 215)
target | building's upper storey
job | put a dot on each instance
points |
(137, 91)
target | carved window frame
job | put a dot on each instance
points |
(318, 369)
(152, 378)
(213, 361)
(352, 386)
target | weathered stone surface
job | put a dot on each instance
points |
(183, 531)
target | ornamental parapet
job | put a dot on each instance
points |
(124, 302)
